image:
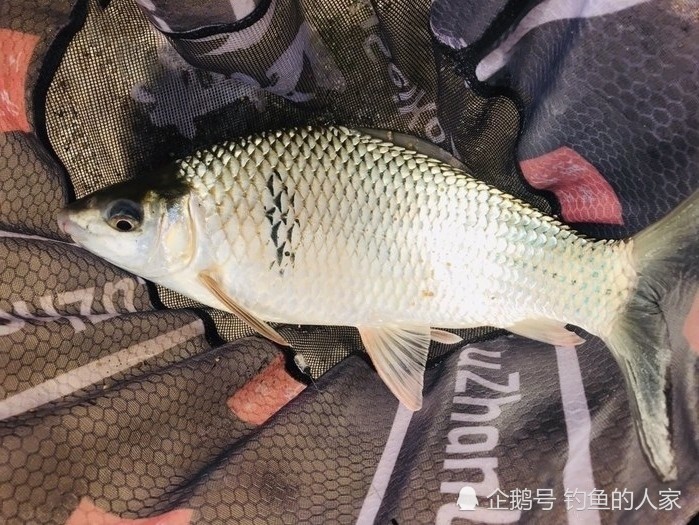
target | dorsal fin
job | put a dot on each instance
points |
(416, 144)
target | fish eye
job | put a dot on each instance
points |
(125, 215)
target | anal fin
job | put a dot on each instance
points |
(546, 331)
(400, 356)
(254, 322)
(444, 337)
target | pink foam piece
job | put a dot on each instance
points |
(584, 194)
(17, 49)
(265, 394)
(87, 513)
(690, 330)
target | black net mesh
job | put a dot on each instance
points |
(125, 401)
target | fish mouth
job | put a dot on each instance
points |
(63, 220)
(66, 224)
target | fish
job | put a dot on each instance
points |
(390, 234)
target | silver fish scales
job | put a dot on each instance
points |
(359, 231)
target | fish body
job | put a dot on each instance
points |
(342, 227)
(329, 226)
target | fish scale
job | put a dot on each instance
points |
(412, 237)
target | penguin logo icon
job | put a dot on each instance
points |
(467, 499)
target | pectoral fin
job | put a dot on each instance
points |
(399, 355)
(546, 331)
(247, 317)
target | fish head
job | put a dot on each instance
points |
(140, 225)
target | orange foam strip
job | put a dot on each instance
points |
(16, 52)
(691, 325)
(87, 513)
(265, 394)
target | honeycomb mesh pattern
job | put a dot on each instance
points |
(115, 394)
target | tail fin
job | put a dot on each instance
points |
(663, 255)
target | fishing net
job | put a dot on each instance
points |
(121, 400)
